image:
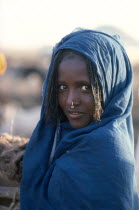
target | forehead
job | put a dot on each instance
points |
(73, 67)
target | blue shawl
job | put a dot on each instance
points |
(92, 167)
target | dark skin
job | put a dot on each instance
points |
(74, 86)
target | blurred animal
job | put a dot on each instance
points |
(11, 155)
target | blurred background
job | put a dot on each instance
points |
(28, 32)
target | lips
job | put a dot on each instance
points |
(73, 114)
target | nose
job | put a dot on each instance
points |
(73, 96)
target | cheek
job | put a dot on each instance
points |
(90, 105)
(61, 100)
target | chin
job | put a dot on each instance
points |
(78, 125)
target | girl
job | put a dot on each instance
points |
(80, 155)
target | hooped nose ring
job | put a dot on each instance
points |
(72, 106)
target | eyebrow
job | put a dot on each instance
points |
(78, 82)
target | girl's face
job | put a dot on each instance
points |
(74, 86)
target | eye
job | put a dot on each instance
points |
(86, 88)
(62, 87)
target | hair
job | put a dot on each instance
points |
(53, 111)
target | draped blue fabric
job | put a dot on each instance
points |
(92, 167)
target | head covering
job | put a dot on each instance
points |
(91, 167)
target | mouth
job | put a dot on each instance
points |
(73, 114)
